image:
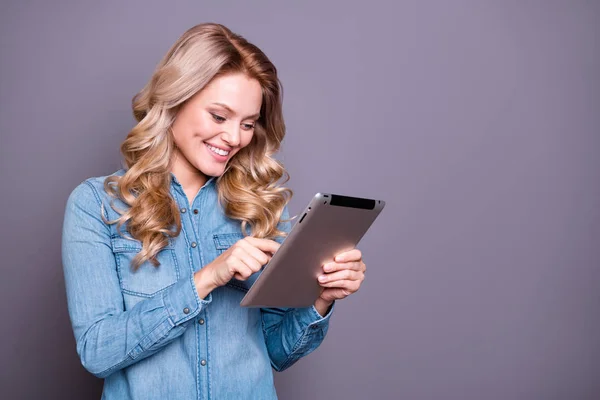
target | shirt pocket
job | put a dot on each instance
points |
(147, 280)
(223, 241)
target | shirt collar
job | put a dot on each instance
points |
(176, 183)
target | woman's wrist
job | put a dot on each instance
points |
(203, 285)
(323, 306)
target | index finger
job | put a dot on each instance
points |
(265, 245)
(352, 255)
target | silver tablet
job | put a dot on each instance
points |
(329, 225)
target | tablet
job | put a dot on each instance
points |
(330, 224)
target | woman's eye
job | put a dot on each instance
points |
(248, 126)
(217, 118)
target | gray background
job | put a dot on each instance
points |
(477, 121)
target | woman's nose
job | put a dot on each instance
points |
(232, 136)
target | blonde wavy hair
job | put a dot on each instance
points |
(248, 190)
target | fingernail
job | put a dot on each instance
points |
(322, 278)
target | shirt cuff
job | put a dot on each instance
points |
(182, 301)
(318, 319)
(313, 319)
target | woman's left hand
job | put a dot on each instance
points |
(341, 278)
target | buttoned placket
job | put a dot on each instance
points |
(190, 222)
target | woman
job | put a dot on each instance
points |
(157, 256)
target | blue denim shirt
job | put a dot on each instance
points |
(147, 332)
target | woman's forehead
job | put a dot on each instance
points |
(236, 93)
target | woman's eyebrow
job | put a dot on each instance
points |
(225, 106)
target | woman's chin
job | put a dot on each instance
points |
(210, 171)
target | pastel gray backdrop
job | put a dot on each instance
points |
(477, 121)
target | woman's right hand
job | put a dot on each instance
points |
(242, 259)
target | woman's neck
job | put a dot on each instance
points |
(188, 176)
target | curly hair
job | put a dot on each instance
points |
(248, 190)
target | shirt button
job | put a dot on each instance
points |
(186, 310)
(183, 210)
(194, 244)
(203, 363)
(201, 321)
(195, 211)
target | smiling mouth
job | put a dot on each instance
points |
(217, 150)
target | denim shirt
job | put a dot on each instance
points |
(147, 333)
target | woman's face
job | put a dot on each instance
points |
(215, 124)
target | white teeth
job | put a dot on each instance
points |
(218, 151)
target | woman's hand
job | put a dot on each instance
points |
(242, 259)
(341, 278)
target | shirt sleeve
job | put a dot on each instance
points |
(292, 333)
(107, 336)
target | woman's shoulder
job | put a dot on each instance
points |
(91, 189)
